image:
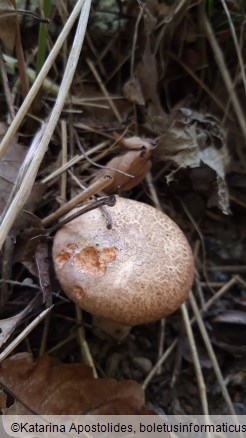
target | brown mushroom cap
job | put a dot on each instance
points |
(139, 271)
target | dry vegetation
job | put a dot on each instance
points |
(155, 89)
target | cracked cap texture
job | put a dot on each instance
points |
(138, 272)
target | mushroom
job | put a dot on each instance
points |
(139, 271)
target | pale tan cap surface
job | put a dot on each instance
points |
(139, 271)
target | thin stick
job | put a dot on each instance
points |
(29, 178)
(134, 42)
(108, 200)
(200, 82)
(76, 159)
(211, 354)
(228, 268)
(21, 61)
(61, 343)
(24, 334)
(157, 204)
(47, 85)
(170, 349)
(195, 358)
(45, 335)
(235, 40)
(64, 160)
(161, 342)
(94, 188)
(158, 364)
(104, 90)
(220, 293)
(219, 58)
(84, 347)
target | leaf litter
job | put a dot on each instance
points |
(46, 388)
(193, 139)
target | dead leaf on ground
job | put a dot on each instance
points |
(133, 93)
(67, 389)
(193, 139)
(143, 87)
(228, 331)
(136, 162)
(231, 317)
(7, 25)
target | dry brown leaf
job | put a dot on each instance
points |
(194, 138)
(133, 93)
(66, 389)
(142, 88)
(136, 162)
(8, 25)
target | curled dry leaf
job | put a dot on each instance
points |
(129, 169)
(193, 139)
(66, 389)
(133, 93)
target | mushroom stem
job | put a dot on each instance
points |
(114, 329)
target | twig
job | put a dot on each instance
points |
(110, 201)
(84, 347)
(76, 159)
(219, 58)
(197, 228)
(47, 84)
(64, 159)
(170, 349)
(211, 353)
(158, 364)
(21, 61)
(104, 90)
(61, 343)
(228, 268)
(44, 338)
(23, 334)
(94, 188)
(134, 42)
(200, 82)
(157, 204)
(195, 358)
(234, 36)
(220, 293)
